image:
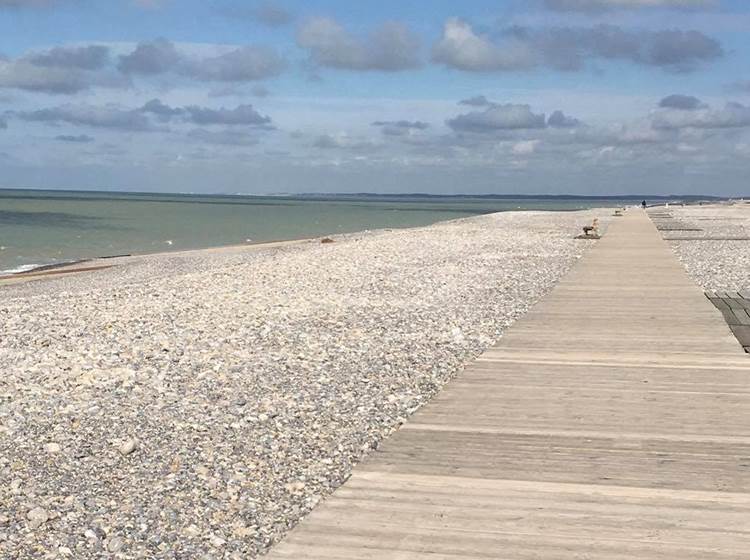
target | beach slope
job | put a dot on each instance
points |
(198, 405)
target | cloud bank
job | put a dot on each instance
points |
(115, 117)
(571, 48)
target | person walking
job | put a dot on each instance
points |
(643, 204)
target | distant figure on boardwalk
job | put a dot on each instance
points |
(643, 204)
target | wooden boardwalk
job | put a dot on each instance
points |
(610, 422)
(735, 307)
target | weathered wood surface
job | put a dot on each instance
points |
(610, 422)
(707, 238)
(735, 307)
(664, 221)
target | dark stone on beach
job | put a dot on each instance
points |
(82, 452)
(327, 240)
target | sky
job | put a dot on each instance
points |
(601, 97)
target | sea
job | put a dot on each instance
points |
(48, 227)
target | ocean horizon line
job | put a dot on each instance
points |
(400, 195)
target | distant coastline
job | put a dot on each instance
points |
(346, 196)
(633, 197)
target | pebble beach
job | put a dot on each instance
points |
(198, 405)
(717, 254)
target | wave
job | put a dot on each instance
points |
(38, 267)
(20, 269)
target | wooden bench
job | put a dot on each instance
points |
(593, 229)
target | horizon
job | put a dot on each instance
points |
(512, 98)
(344, 194)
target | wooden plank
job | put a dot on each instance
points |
(598, 461)
(681, 228)
(732, 317)
(720, 304)
(706, 238)
(610, 422)
(734, 308)
(733, 303)
(742, 332)
(743, 317)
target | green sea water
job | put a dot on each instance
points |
(48, 227)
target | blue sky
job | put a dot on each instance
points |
(546, 96)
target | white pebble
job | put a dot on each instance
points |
(128, 446)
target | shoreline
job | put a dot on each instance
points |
(68, 266)
(98, 262)
(104, 262)
(109, 261)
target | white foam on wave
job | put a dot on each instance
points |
(19, 269)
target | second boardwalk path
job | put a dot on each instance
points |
(610, 422)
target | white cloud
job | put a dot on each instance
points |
(242, 64)
(107, 116)
(31, 77)
(498, 118)
(460, 47)
(389, 48)
(343, 141)
(733, 115)
(525, 148)
(600, 5)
